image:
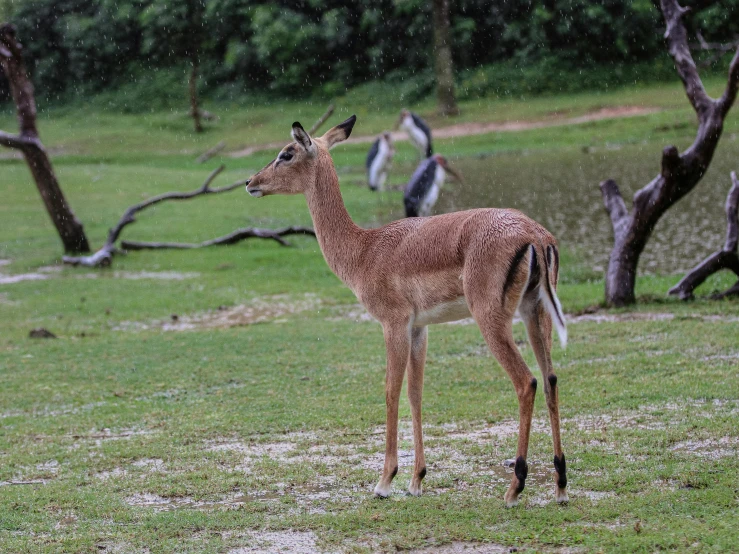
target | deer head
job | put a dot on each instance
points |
(295, 167)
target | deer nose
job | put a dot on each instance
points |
(247, 184)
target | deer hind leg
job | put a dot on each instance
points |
(496, 329)
(493, 301)
(416, 362)
(500, 340)
(397, 343)
(539, 326)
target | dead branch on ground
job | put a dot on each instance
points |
(726, 258)
(232, 238)
(208, 154)
(104, 256)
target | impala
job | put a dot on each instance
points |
(486, 263)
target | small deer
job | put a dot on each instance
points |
(486, 263)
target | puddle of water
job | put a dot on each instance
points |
(258, 310)
(541, 475)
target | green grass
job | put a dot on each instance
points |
(234, 435)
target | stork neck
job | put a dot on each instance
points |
(339, 237)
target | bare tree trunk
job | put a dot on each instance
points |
(27, 141)
(726, 258)
(443, 64)
(194, 109)
(680, 173)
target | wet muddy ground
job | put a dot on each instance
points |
(560, 190)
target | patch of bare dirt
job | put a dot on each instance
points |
(259, 310)
(6, 279)
(48, 272)
(712, 449)
(459, 547)
(271, 542)
(464, 548)
(358, 313)
(474, 128)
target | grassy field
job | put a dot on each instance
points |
(232, 400)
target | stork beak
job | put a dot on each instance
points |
(455, 174)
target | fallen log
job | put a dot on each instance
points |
(232, 238)
(208, 154)
(104, 256)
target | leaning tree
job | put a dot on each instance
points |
(28, 142)
(679, 174)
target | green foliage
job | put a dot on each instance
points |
(324, 47)
(556, 76)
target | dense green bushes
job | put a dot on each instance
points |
(78, 47)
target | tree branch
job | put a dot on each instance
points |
(725, 258)
(732, 225)
(729, 95)
(231, 238)
(717, 47)
(208, 154)
(104, 256)
(614, 202)
(322, 119)
(13, 141)
(677, 41)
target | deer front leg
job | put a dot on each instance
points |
(397, 343)
(416, 362)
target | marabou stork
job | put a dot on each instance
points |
(418, 131)
(379, 159)
(422, 191)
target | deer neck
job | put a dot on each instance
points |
(339, 237)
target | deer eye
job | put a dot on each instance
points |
(286, 156)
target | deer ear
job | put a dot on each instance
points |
(340, 132)
(302, 138)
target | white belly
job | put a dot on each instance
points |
(432, 196)
(417, 136)
(441, 313)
